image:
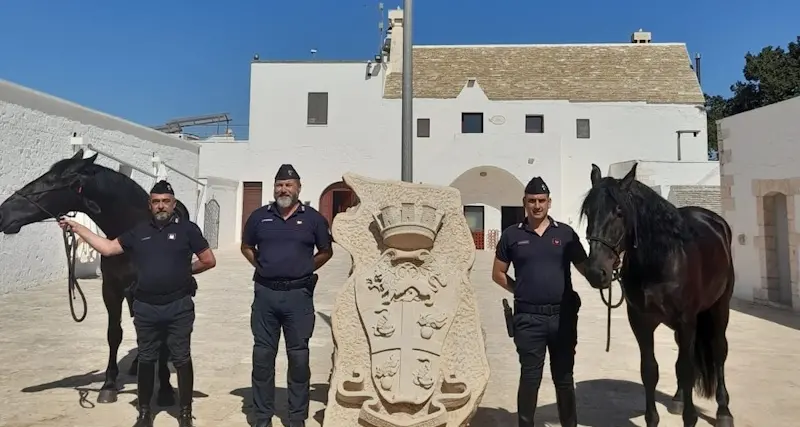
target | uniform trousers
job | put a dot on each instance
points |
(538, 329)
(157, 325)
(290, 310)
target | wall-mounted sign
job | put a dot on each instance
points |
(498, 120)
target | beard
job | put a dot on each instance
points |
(285, 201)
(162, 216)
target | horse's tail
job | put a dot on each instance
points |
(704, 360)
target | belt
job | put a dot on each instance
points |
(546, 309)
(288, 284)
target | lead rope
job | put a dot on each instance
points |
(610, 306)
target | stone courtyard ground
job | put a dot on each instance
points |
(48, 362)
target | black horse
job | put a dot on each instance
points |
(115, 203)
(677, 270)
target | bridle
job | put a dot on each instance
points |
(70, 244)
(619, 253)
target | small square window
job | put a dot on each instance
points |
(424, 128)
(471, 122)
(534, 124)
(582, 128)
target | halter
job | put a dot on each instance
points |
(619, 253)
(70, 244)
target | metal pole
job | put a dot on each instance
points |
(407, 158)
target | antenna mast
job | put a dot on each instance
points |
(380, 28)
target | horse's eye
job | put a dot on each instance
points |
(618, 211)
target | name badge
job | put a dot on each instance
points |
(171, 236)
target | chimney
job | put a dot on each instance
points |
(395, 61)
(697, 66)
(641, 36)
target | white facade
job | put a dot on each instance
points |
(35, 132)
(760, 181)
(363, 136)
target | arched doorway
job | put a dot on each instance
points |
(776, 247)
(211, 223)
(336, 198)
(492, 199)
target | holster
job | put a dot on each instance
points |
(509, 315)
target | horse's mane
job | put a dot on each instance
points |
(655, 223)
(109, 181)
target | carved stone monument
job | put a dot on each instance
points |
(408, 344)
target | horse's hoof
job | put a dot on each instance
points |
(166, 399)
(724, 421)
(107, 396)
(675, 407)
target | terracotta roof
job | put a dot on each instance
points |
(653, 72)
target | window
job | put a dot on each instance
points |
(582, 130)
(534, 124)
(471, 122)
(318, 108)
(424, 128)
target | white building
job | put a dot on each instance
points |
(487, 119)
(36, 130)
(760, 181)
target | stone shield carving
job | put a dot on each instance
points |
(409, 349)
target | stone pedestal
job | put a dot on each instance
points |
(408, 344)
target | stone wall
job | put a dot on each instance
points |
(706, 196)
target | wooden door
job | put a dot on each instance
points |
(251, 199)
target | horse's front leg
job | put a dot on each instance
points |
(113, 302)
(643, 329)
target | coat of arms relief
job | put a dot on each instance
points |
(406, 319)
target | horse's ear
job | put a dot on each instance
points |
(629, 177)
(78, 154)
(77, 166)
(595, 175)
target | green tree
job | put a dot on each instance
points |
(771, 76)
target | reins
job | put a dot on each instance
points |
(71, 250)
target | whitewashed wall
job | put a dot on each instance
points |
(225, 192)
(35, 131)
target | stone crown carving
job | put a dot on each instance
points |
(408, 226)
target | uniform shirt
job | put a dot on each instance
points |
(163, 258)
(541, 263)
(285, 247)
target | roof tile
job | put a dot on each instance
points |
(654, 73)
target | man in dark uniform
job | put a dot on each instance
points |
(278, 240)
(545, 306)
(163, 309)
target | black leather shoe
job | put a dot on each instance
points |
(297, 424)
(145, 418)
(185, 417)
(263, 424)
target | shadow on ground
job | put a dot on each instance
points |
(87, 395)
(601, 403)
(781, 316)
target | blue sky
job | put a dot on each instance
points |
(149, 61)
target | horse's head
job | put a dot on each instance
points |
(56, 192)
(610, 216)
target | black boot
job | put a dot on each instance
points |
(145, 418)
(145, 382)
(185, 418)
(567, 411)
(185, 390)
